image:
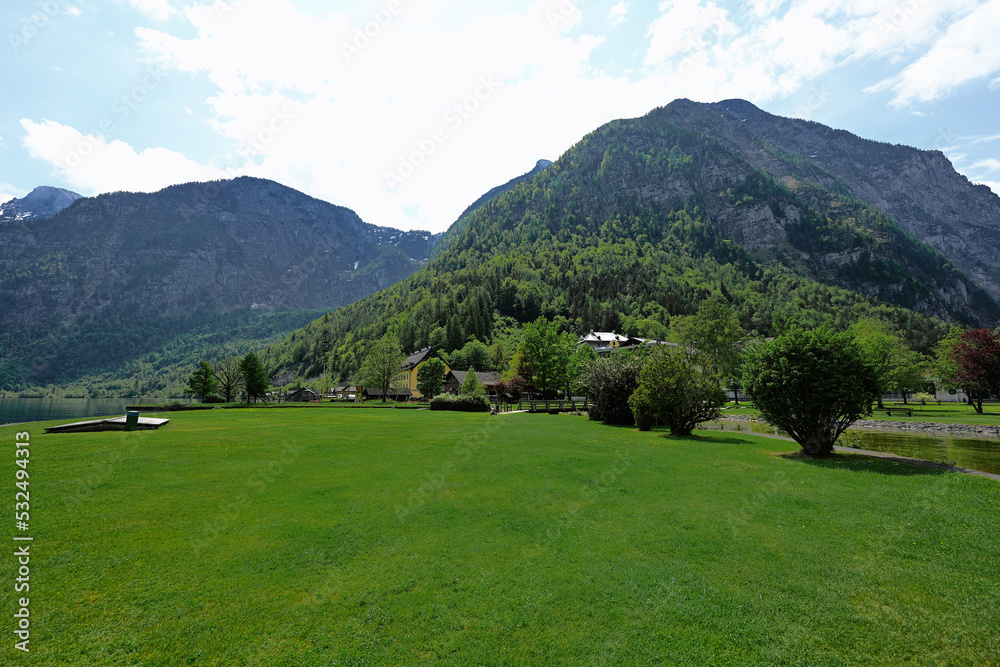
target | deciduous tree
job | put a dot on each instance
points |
(430, 377)
(382, 364)
(546, 352)
(679, 389)
(229, 376)
(977, 357)
(811, 384)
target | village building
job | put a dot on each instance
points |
(454, 380)
(303, 395)
(348, 392)
(393, 394)
(407, 378)
(606, 342)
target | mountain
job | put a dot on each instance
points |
(642, 221)
(456, 229)
(918, 189)
(114, 276)
(42, 202)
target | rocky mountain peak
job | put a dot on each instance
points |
(42, 202)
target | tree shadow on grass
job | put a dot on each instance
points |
(894, 466)
(699, 436)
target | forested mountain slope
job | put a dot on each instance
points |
(114, 278)
(641, 221)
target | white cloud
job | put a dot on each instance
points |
(618, 13)
(318, 104)
(73, 11)
(8, 192)
(967, 50)
(493, 90)
(94, 165)
(158, 10)
(989, 164)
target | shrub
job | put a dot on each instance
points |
(460, 403)
(213, 398)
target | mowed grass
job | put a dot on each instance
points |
(369, 537)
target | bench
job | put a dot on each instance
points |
(908, 411)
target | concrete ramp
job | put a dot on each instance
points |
(112, 424)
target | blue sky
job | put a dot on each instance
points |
(407, 110)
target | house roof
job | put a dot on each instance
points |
(486, 377)
(372, 391)
(604, 337)
(418, 358)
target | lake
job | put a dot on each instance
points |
(981, 454)
(18, 410)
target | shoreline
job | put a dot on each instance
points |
(939, 428)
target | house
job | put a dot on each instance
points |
(407, 378)
(348, 392)
(454, 380)
(604, 342)
(394, 395)
(303, 395)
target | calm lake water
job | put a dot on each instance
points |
(18, 410)
(974, 453)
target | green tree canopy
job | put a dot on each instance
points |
(255, 379)
(472, 386)
(812, 384)
(202, 382)
(382, 364)
(430, 377)
(545, 352)
(678, 389)
(609, 382)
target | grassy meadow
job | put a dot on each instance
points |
(371, 537)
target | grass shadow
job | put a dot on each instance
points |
(893, 466)
(730, 438)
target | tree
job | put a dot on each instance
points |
(228, 373)
(609, 382)
(472, 386)
(908, 372)
(430, 377)
(678, 389)
(546, 352)
(578, 361)
(475, 353)
(715, 332)
(255, 379)
(977, 357)
(382, 364)
(812, 384)
(202, 381)
(897, 368)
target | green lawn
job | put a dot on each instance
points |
(357, 537)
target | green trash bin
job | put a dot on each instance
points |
(131, 420)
